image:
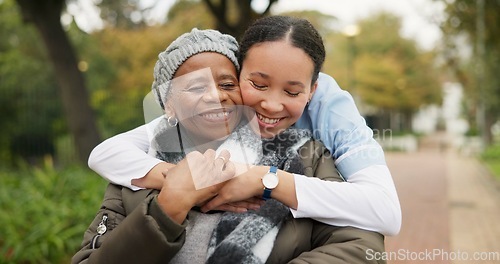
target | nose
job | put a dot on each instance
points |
(272, 103)
(213, 94)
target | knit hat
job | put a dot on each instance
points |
(185, 46)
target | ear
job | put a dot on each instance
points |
(313, 89)
(169, 111)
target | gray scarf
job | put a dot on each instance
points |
(237, 234)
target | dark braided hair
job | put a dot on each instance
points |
(298, 32)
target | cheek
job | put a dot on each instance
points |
(248, 94)
(235, 97)
(182, 105)
(297, 108)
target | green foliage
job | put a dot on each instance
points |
(491, 153)
(187, 14)
(29, 105)
(491, 156)
(478, 73)
(387, 71)
(394, 64)
(45, 212)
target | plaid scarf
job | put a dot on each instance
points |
(238, 235)
(243, 237)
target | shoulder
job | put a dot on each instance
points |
(312, 153)
(312, 148)
(123, 200)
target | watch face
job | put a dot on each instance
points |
(270, 180)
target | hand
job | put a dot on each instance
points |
(179, 194)
(215, 171)
(241, 188)
(154, 178)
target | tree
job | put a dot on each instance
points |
(123, 13)
(45, 16)
(234, 17)
(392, 77)
(31, 114)
(479, 22)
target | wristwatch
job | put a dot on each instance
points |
(270, 181)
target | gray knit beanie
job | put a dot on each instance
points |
(185, 46)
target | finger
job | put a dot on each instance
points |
(256, 200)
(222, 159)
(228, 171)
(246, 204)
(225, 154)
(209, 154)
(231, 208)
(212, 204)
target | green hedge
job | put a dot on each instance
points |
(45, 212)
(491, 156)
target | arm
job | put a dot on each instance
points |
(369, 197)
(331, 244)
(145, 235)
(123, 158)
(154, 230)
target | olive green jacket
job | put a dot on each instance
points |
(137, 230)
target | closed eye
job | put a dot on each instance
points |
(200, 88)
(257, 86)
(227, 86)
(292, 93)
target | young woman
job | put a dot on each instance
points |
(367, 200)
(151, 226)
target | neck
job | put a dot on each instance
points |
(197, 143)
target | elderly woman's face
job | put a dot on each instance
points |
(204, 95)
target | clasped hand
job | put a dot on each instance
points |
(208, 181)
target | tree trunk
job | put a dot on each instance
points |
(45, 15)
(246, 15)
(490, 120)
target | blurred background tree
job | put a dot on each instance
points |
(61, 87)
(472, 52)
(390, 77)
(114, 65)
(46, 17)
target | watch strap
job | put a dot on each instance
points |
(267, 192)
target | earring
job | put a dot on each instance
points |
(172, 121)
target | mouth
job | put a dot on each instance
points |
(266, 121)
(218, 115)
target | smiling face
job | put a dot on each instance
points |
(276, 80)
(204, 95)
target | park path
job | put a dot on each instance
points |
(450, 205)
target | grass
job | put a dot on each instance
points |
(491, 157)
(45, 212)
(494, 167)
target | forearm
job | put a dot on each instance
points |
(368, 200)
(284, 192)
(122, 158)
(154, 178)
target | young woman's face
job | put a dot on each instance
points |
(204, 95)
(275, 80)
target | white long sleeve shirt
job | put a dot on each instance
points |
(367, 200)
